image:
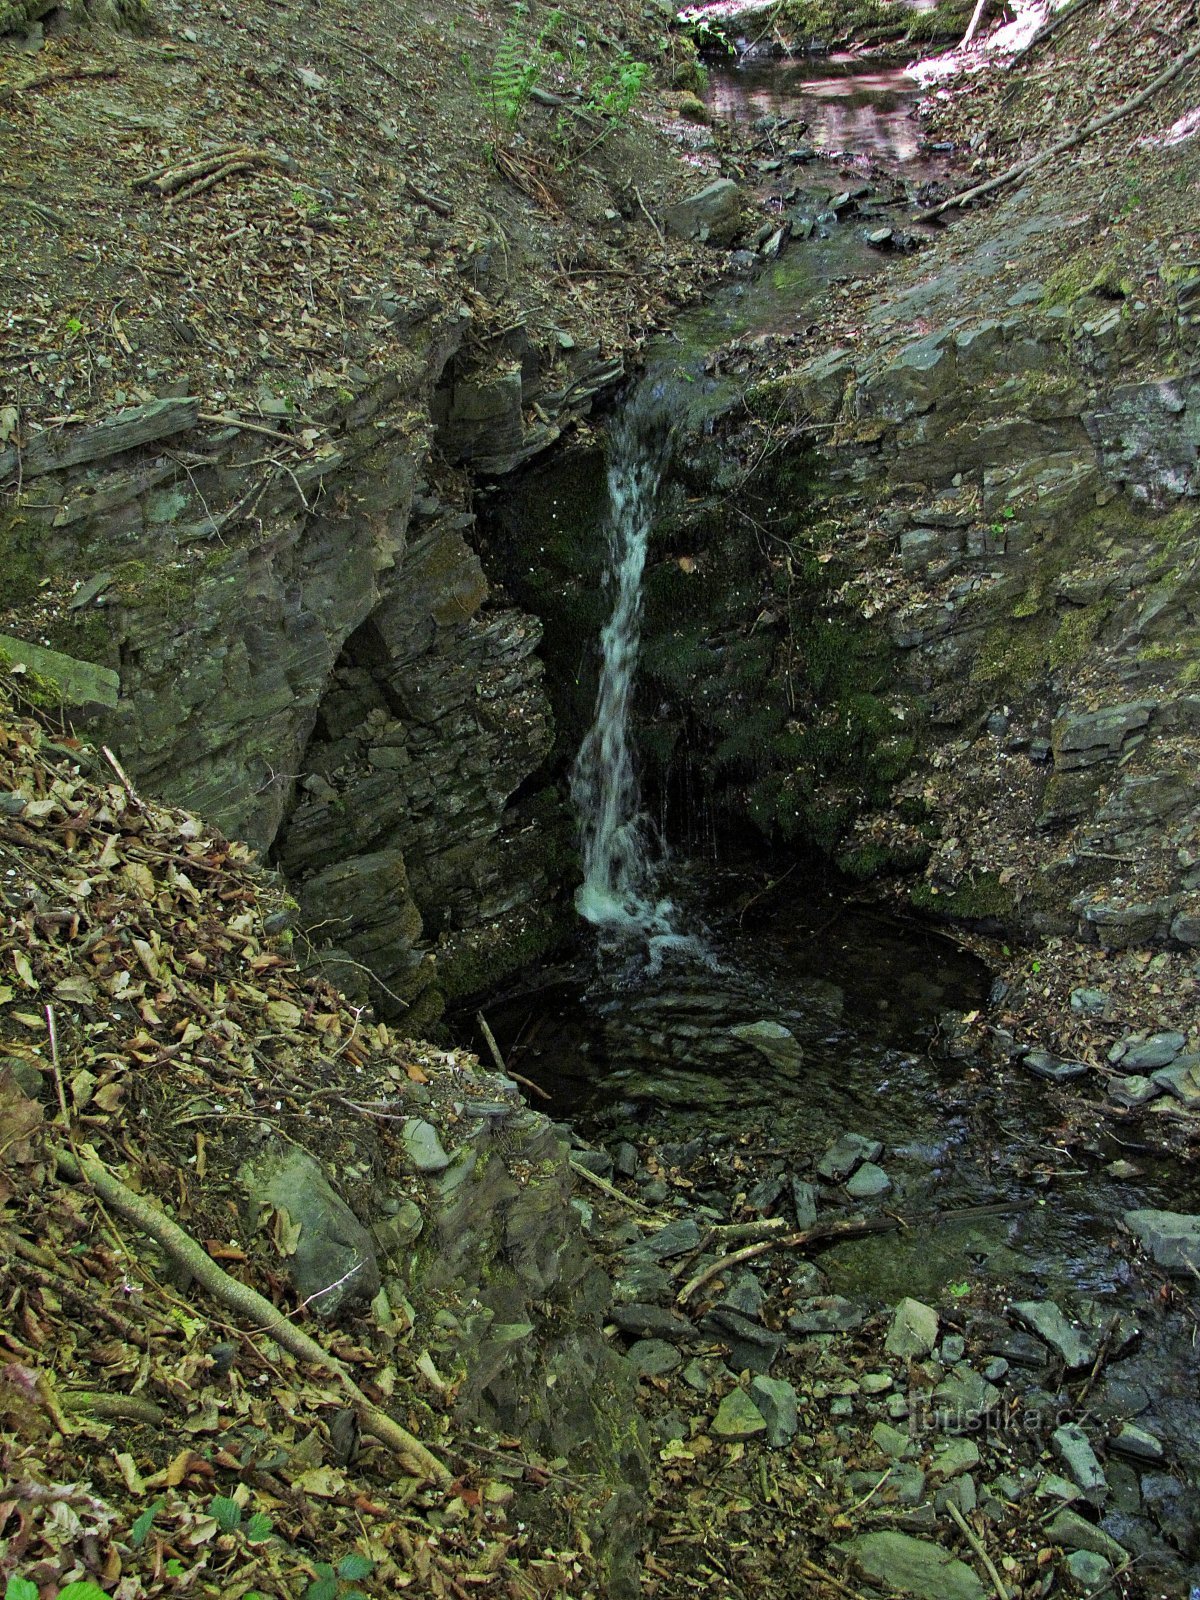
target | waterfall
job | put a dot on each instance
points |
(617, 890)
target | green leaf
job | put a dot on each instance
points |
(258, 1528)
(20, 1589)
(227, 1512)
(82, 1591)
(175, 1568)
(958, 1290)
(353, 1594)
(353, 1567)
(322, 1589)
(143, 1524)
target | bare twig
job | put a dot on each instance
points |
(610, 1189)
(976, 1544)
(1022, 169)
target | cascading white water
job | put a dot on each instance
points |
(617, 890)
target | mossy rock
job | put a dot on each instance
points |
(984, 902)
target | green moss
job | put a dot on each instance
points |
(1076, 634)
(22, 559)
(985, 899)
(32, 689)
(866, 861)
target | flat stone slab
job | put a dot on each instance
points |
(905, 1565)
(653, 1358)
(1074, 1532)
(913, 1332)
(1076, 1347)
(423, 1145)
(829, 1313)
(80, 683)
(1137, 1443)
(644, 1321)
(676, 1239)
(1172, 1238)
(868, 1182)
(738, 1418)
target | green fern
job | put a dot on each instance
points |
(517, 67)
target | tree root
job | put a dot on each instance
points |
(1023, 168)
(145, 1214)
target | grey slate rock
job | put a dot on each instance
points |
(1076, 1347)
(1171, 1237)
(1135, 1090)
(904, 1565)
(868, 1182)
(1074, 1450)
(1159, 1050)
(751, 1347)
(1053, 1070)
(776, 1400)
(913, 1332)
(334, 1262)
(829, 1313)
(845, 1154)
(423, 1145)
(804, 1203)
(1074, 1532)
(738, 1418)
(652, 1322)
(771, 1039)
(1137, 1443)
(676, 1239)
(1182, 1079)
(653, 1358)
(744, 1293)
(1087, 1568)
(712, 214)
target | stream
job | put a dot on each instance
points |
(707, 1019)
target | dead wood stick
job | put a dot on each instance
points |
(609, 1189)
(498, 1058)
(1022, 169)
(47, 80)
(248, 427)
(145, 1214)
(973, 26)
(425, 197)
(976, 1544)
(848, 1228)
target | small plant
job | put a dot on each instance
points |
(516, 68)
(337, 1583)
(613, 93)
(22, 1589)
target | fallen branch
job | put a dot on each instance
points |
(973, 26)
(192, 177)
(976, 1544)
(1022, 169)
(498, 1058)
(609, 1189)
(48, 80)
(846, 1228)
(145, 1214)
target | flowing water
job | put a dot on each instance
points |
(616, 894)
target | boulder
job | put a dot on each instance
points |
(713, 214)
(329, 1255)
